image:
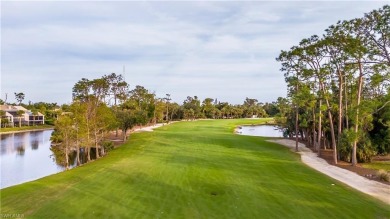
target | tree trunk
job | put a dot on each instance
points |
(116, 110)
(340, 121)
(78, 155)
(66, 156)
(296, 129)
(103, 152)
(314, 130)
(296, 121)
(96, 145)
(124, 134)
(305, 132)
(88, 153)
(67, 159)
(360, 84)
(319, 128)
(88, 143)
(333, 138)
(77, 147)
(167, 115)
(346, 103)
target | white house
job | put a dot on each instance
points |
(27, 118)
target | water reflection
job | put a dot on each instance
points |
(30, 155)
(27, 156)
(58, 156)
(20, 150)
(34, 145)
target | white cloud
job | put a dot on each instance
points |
(224, 50)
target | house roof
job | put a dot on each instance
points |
(12, 108)
(20, 108)
(31, 114)
(5, 107)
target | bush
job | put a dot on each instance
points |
(49, 122)
(108, 145)
(383, 175)
(344, 147)
(365, 150)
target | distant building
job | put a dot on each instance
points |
(27, 118)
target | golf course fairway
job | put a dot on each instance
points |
(195, 169)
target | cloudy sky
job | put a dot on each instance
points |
(223, 50)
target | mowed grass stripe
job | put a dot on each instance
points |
(192, 170)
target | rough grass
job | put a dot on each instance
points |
(25, 128)
(192, 170)
(378, 165)
(384, 175)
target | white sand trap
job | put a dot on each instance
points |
(373, 188)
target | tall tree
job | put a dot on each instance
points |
(19, 97)
(64, 135)
(208, 108)
(292, 65)
(167, 102)
(192, 107)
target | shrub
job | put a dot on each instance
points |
(383, 175)
(49, 122)
(108, 146)
(345, 147)
(365, 150)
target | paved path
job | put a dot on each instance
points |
(150, 128)
(376, 189)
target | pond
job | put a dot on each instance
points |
(261, 130)
(26, 156)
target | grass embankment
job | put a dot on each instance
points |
(378, 165)
(192, 170)
(25, 128)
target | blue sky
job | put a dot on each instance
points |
(223, 50)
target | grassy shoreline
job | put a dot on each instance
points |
(197, 169)
(25, 129)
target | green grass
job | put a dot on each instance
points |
(378, 165)
(25, 128)
(192, 170)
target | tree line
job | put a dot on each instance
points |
(106, 105)
(338, 88)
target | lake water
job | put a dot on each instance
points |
(261, 130)
(26, 156)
